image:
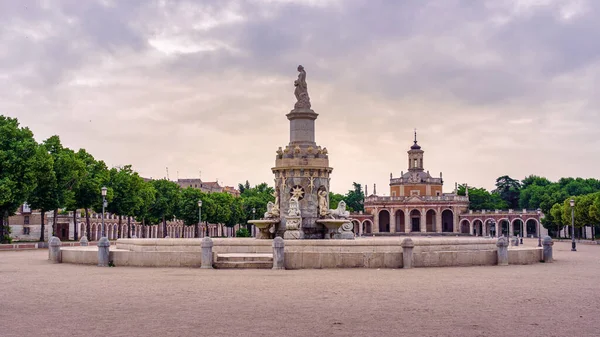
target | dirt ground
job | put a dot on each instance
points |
(557, 299)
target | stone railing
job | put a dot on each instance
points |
(406, 181)
(378, 199)
(500, 211)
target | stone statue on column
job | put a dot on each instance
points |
(301, 91)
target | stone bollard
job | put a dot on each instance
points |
(54, 254)
(407, 253)
(547, 252)
(502, 245)
(278, 253)
(83, 241)
(207, 255)
(103, 252)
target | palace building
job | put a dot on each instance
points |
(418, 205)
(416, 202)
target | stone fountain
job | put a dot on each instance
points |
(302, 175)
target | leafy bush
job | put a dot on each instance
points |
(242, 233)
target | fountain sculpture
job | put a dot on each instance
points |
(302, 175)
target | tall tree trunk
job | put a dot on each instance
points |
(143, 228)
(87, 225)
(129, 227)
(42, 227)
(75, 236)
(54, 228)
(196, 233)
(164, 222)
(119, 228)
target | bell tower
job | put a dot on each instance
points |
(415, 156)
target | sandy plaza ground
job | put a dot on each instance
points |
(557, 299)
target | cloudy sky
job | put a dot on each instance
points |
(494, 87)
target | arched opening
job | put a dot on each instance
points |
(491, 227)
(415, 220)
(447, 221)
(464, 226)
(82, 231)
(384, 221)
(478, 228)
(355, 226)
(532, 227)
(430, 221)
(518, 229)
(504, 227)
(367, 227)
(400, 221)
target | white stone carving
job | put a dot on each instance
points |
(294, 208)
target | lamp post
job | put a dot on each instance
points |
(104, 190)
(253, 218)
(199, 215)
(539, 211)
(573, 244)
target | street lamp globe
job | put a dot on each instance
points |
(104, 190)
(572, 202)
(199, 203)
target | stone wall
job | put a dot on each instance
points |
(309, 254)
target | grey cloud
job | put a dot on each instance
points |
(376, 69)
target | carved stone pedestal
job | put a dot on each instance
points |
(346, 231)
(292, 228)
(266, 228)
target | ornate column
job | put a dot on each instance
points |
(423, 221)
(524, 229)
(471, 228)
(392, 220)
(375, 228)
(360, 228)
(407, 224)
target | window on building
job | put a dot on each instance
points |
(415, 165)
(414, 192)
(26, 220)
(26, 230)
(437, 193)
(393, 193)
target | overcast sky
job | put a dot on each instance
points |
(493, 87)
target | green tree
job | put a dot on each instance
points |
(43, 196)
(595, 214)
(480, 199)
(188, 208)
(508, 189)
(68, 170)
(554, 218)
(237, 213)
(355, 198)
(222, 208)
(255, 198)
(88, 191)
(334, 200)
(165, 204)
(143, 213)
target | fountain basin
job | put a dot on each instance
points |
(264, 227)
(333, 228)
